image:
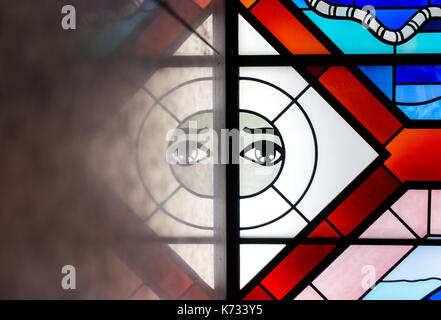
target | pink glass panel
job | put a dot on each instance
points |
(348, 277)
(387, 227)
(412, 207)
(435, 221)
(308, 294)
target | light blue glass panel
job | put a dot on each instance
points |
(300, 3)
(424, 262)
(422, 43)
(417, 93)
(350, 36)
(431, 111)
(402, 290)
(414, 278)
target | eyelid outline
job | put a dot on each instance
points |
(271, 130)
(276, 148)
(198, 146)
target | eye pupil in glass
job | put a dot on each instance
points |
(265, 152)
(262, 153)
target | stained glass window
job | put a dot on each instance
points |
(351, 89)
(241, 149)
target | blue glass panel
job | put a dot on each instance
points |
(422, 263)
(417, 93)
(431, 111)
(433, 25)
(346, 2)
(394, 19)
(300, 3)
(402, 290)
(382, 76)
(418, 74)
(422, 43)
(352, 38)
(435, 296)
(415, 277)
(392, 3)
(343, 33)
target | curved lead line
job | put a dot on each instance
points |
(411, 281)
(369, 19)
(418, 103)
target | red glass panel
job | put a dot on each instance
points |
(286, 28)
(324, 230)
(416, 155)
(294, 268)
(371, 193)
(316, 70)
(258, 294)
(360, 102)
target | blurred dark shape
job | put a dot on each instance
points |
(53, 211)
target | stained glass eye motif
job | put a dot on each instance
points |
(262, 153)
(314, 163)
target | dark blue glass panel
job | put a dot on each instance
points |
(435, 296)
(433, 25)
(392, 3)
(418, 74)
(347, 2)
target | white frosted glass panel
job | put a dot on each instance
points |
(190, 208)
(254, 257)
(200, 257)
(168, 78)
(193, 97)
(194, 46)
(251, 42)
(342, 154)
(263, 99)
(287, 227)
(285, 78)
(165, 226)
(262, 208)
(300, 154)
